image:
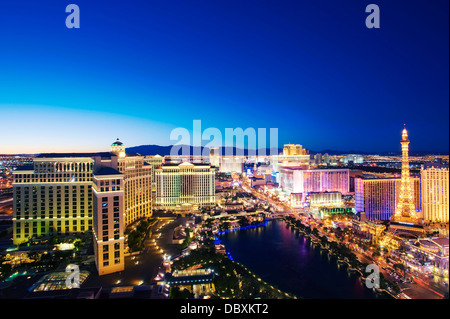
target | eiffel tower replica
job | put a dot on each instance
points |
(406, 222)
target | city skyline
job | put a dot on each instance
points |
(222, 154)
(314, 71)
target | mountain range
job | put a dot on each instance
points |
(165, 150)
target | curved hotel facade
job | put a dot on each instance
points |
(179, 185)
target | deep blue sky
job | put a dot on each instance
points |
(136, 69)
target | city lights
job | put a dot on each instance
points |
(224, 154)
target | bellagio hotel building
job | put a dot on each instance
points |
(65, 193)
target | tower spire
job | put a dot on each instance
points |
(406, 210)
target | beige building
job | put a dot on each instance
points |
(435, 196)
(184, 185)
(294, 149)
(325, 199)
(155, 161)
(138, 183)
(52, 196)
(138, 187)
(108, 219)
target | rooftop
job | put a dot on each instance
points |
(25, 168)
(117, 142)
(189, 277)
(105, 170)
(75, 155)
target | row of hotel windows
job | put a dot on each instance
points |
(113, 189)
(53, 197)
(51, 175)
(51, 179)
(51, 215)
(51, 210)
(50, 228)
(113, 182)
(51, 191)
(63, 167)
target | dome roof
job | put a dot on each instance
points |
(117, 142)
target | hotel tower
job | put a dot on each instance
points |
(72, 193)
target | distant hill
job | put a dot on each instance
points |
(165, 150)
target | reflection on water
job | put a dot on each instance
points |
(284, 257)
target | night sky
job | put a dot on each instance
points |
(136, 69)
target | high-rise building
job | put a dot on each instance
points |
(232, 164)
(53, 196)
(214, 156)
(185, 185)
(108, 220)
(326, 158)
(58, 194)
(155, 161)
(299, 180)
(294, 149)
(378, 197)
(226, 163)
(138, 188)
(138, 183)
(318, 158)
(435, 195)
(293, 155)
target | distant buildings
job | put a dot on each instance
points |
(326, 159)
(318, 159)
(232, 164)
(226, 164)
(293, 155)
(355, 159)
(294, 149)
(435, 181)
(183, 186)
